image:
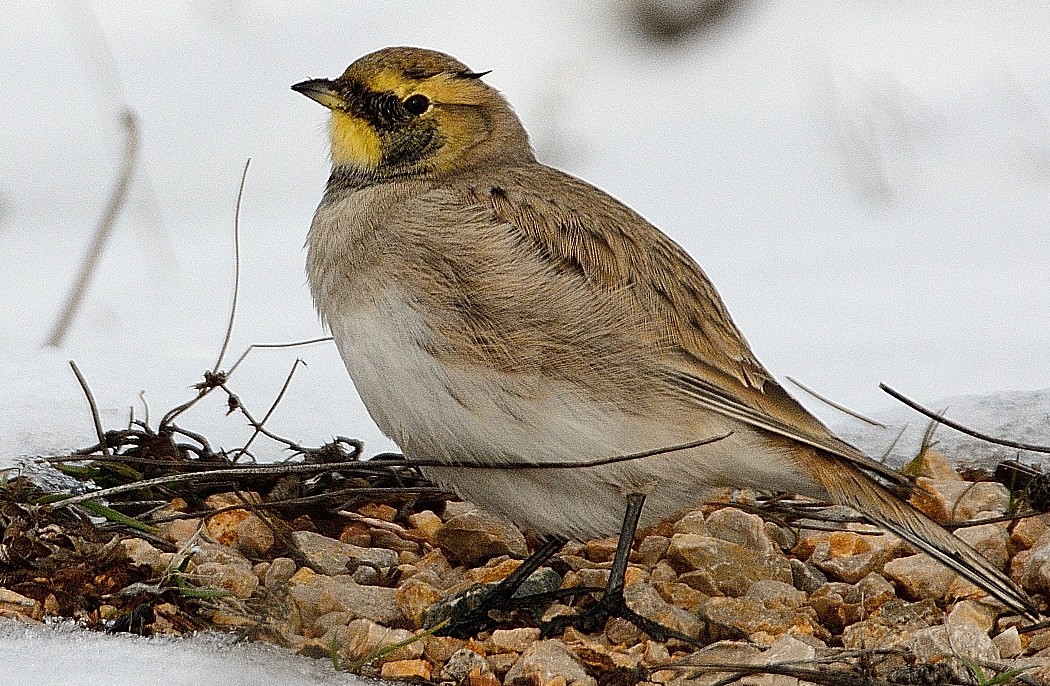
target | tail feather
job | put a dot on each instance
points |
(847, 485)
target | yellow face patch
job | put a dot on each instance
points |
(354, 141)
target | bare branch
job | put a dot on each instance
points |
(236, 267)
(832, 403)
(102, 233)
(960, 428)
(94, 409)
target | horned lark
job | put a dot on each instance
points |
(494, 311)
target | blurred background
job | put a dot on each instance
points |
(867, 185)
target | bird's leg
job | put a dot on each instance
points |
(476, 619)
(612, 602)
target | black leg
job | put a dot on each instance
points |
(612, 603)
(476, 619)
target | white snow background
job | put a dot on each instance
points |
(868, 186)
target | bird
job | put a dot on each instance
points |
(501, 320)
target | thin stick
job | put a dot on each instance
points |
(94, 408)
(274, 345)
(831, 403)
(359, 465)
(102, 232)
(960, 428)
(236, 266)
(259, 428)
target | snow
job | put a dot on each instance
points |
(867, 186)
(62, 654)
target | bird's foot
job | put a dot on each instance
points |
(483, 606)
(593, 620)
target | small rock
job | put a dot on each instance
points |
(935, 465)
(440, 649)
(974, 613)
(239, 527)
(547, 663)
(600, 549)
(961, 640)
(724, 568)
(871, 592)
(382, 538)
(280, 570)
(840, 544)
(1032, 567)
(342, 594)
(17, 603)
(180, 531)
(920, 577)
(362, 637)
(330, 556)
(656, 653)
(356, 533)
(959, 501)
(680, 595)
(461, 663)
(500, 663)
(990, 540)
(1030, 532)
(892, 626)
(426, 522)
(220, 567)
(620, 632)
(415, 597)
(480, 676)
(736, 526)
(691, 523)
(475, 536)
(406, 669)
(853, 568)
(434, 562)
(776, 595)
(806, 577)
(141, 552)
(785, 649)
(646, 601)
(651, 549)
(760, 623)
(829, 602)
(1009, 643)
(513, 640)
(378, 511)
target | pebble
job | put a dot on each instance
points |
(724, 568)
(474, 536)
(548, 663)
(406, 669)
(745, 529)
(330, 556)
(719, 570)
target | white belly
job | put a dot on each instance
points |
(472, 414)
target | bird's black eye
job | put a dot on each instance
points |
(417, 104)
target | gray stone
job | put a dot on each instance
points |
(744, 529)
(546, 661)
(474, 536)
(322, 595)
(280, 570)
(920, 577)
(806, 577)
(725, 568)
(329, 556)
(461, 663)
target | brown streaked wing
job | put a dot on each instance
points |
(578, 227)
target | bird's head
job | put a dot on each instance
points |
(401, 112)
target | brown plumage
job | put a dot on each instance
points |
(493, 310)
